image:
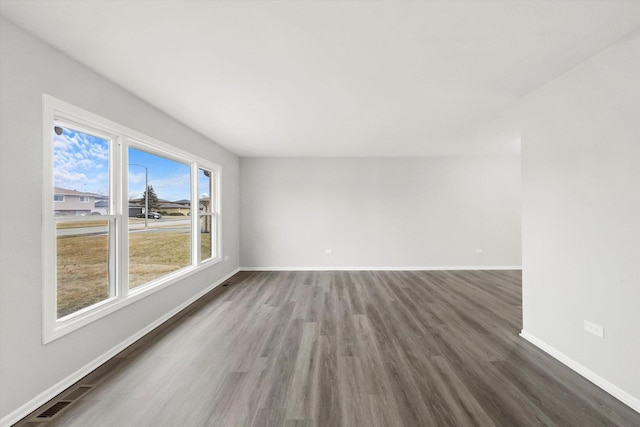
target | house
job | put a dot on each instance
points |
(135, 209)
(78, 203)
(101, 207)
(182, 207)
(349, 136)
(170, 208)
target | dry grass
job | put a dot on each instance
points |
(75, 224)
(154, 254)
(82, 264)
(205, 246)
(82, 272)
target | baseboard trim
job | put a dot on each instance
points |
(612, 389)
(369, 268)
(24, 410)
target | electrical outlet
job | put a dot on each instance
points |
(226, 258)
(328, 251)
(594, 329)
(479, 250)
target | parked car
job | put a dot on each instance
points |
(152, 215)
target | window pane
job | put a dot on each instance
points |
(82, 276)
(159, 224)
(205, 236)
(80, 173)
(205, 181)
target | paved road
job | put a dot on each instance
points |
(158, 225)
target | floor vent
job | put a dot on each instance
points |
(51, 411)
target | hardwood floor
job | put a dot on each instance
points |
(344, 349)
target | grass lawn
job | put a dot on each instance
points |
(75, 224)
(82, 264)
(82, 272)
(154, 254)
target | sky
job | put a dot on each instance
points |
(81, 162)
(170, 180)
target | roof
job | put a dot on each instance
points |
(173, 205)
(67, 192)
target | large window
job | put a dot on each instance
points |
(125, 215)
(160, 236)
(84, 251)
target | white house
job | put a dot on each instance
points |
(78, 203)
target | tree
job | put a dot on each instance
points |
(154, 203)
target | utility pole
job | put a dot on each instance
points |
(146, 193)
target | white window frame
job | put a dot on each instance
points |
(213, 213)
(56, 111)
(61, 198)
(86, 199)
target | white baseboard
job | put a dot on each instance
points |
(45, 396)
(428, 268)
(612, 389)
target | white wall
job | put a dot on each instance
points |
(29, 68)
(581, 216)
(393, 212)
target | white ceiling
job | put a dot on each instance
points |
(333, 78)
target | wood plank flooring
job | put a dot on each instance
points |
(344, 349)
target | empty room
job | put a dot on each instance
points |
(319, 213)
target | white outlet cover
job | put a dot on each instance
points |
(479, 250)
(594, 328)
(328, 251)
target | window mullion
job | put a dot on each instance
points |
(122, 175)
(195, 215)
(216, 241)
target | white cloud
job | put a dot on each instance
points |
(173, 187)
(77, 158)
(70, 180)
(136, 178)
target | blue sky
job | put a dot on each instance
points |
(170, 180)
(81, 162)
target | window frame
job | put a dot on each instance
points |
(213, 213)
(57, 112)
